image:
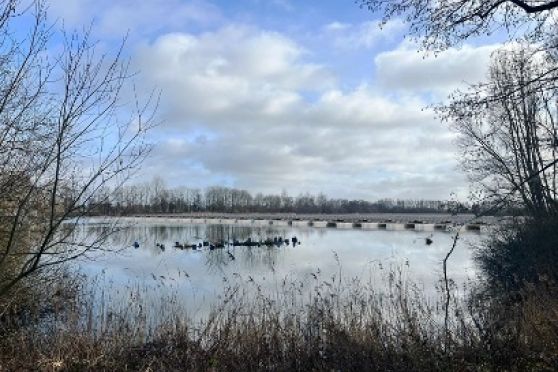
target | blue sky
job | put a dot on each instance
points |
(306, 96)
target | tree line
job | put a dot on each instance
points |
(156, 197)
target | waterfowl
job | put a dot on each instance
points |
(428, 240)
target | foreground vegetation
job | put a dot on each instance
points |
(343, 325)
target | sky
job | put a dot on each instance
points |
(303, 96)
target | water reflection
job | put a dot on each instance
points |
(194, 278)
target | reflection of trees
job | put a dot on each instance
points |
(250, 258)
(89, 232)
(168, 234)
(216, 233)
(253, 257)
(265, 232)
(234, 232)
(148, 235)
(216, 260)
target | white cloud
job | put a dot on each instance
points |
(275, 120)
(362, 35)
(236, 74)
(406, 69)
(336, 26)
(252, 108)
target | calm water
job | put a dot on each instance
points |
(193, 280)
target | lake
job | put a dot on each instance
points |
(193, 281)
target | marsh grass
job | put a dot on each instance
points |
(336, 324)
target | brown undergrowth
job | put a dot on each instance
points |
(341, 325)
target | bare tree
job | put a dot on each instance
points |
(513, 106)
(65, 134)
(444, 23)
(440, 24)
(508, 131)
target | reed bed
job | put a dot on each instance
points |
(339, 324)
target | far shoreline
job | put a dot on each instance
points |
(380, 217)
(375, 221)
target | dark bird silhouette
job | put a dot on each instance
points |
(429, 240)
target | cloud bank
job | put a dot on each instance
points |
(248, 108)
(264, 109)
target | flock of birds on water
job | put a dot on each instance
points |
(277, 241)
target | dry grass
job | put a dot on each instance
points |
(341, 326)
